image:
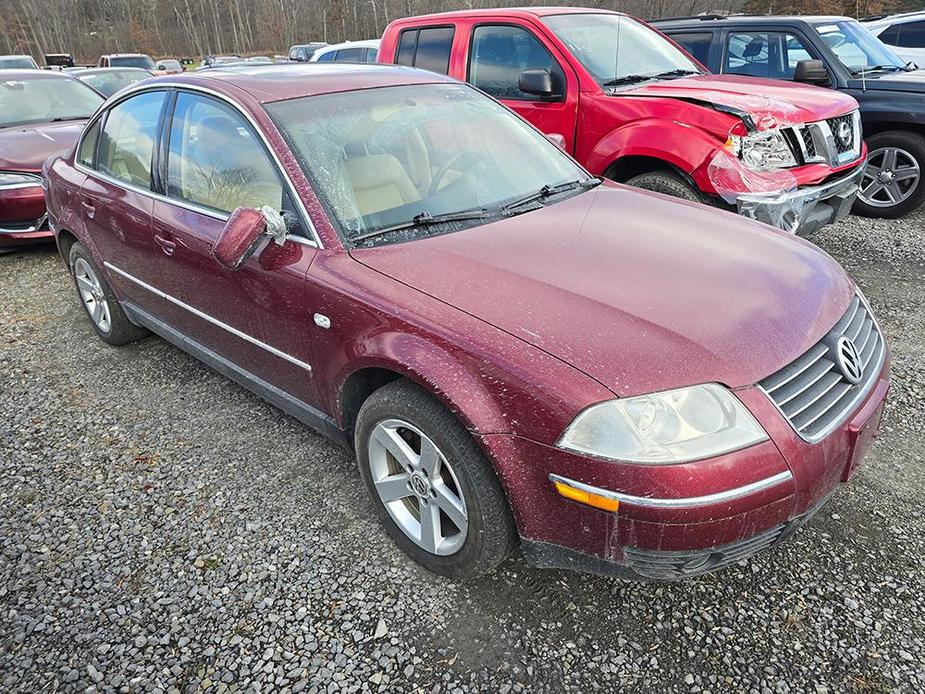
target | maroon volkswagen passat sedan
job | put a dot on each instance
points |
(41, 114)
(515, 350)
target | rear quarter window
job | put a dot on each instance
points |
(426, 48)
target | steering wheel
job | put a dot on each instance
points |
(442, 171)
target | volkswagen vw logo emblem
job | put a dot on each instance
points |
(844, 133)
(848, 360)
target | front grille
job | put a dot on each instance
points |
(812, 392)
(835, 141)
(835, 125)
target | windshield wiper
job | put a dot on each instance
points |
(548, 191)
(61, 119)
(425, 219)
(633, 79)
(879, 68)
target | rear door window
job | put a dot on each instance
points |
(912, 35)
(127, 141)
(500, 53)
(350, 55)
(427, 49)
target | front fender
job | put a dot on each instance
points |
(685, 147)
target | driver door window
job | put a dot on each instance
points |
(501, 53)
(215, 159)
(773, 55)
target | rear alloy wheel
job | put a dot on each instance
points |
(891, 185)
(106, 315)
(432, 488)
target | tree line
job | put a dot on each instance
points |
(195, 28)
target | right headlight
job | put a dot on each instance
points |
(10, 180)
(674, 426)
(762, 151)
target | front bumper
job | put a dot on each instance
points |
(677, 521)
(804, 210)
(23, 219)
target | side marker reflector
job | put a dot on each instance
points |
(582, 497)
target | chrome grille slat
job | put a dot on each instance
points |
(795, 368)
(814, 396)
(819, 369)
(811, 392)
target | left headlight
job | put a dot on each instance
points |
(10, 180)
(762, 151)
(674, 426)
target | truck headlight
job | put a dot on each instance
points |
(674, 426)
(762, 151)
(10, 180)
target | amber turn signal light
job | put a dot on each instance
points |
(587, 498)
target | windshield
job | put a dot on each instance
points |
(14, 62)
(45, 99)
(857, 48)
(406, 156)
(142, 61)
(108, 83)
(617, 49)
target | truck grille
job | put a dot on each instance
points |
(835, 141)
(813, 392)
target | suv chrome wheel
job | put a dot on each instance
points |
(891, 177)
(92, 295)
(418, 487)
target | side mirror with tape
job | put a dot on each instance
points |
(243, 233)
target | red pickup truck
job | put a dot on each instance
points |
(631, 105)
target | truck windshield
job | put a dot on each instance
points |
(397, 163)
(858, 49)
(142, 61)
(45, 99)
(618, 50)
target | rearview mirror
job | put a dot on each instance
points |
(538, 83)
(812, 72)
(242, 233)
(161, 67)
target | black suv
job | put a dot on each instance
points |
(840, 53)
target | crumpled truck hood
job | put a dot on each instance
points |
(639, 291)
(769, 103)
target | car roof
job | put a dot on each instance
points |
(124, 55)
(525, 12)
(349, 44)
(277, 82)
(717, 20)
(890, 19)
(102, 70)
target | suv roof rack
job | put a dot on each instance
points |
(702, 17)
(873, 17)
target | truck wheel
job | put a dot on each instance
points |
(892, 184)
(431, 486)
(667, 183)
(95, 294)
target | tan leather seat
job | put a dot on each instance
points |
(379, 183)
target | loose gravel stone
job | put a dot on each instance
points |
(162, 529)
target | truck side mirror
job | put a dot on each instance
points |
(538, 83)
(812, 72)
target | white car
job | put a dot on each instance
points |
(904, 33)
(349, 52)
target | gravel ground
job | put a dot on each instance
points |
(163, 529)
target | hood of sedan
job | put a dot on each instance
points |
(639, 291)
(770, 103)
(26, 147)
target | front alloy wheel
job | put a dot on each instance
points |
(891, 177)
(418, 487)
(431, 486)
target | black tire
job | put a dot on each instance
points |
(491, 535)
(668, 183)
(910, 142)
(121, 330)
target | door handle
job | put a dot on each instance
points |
(166, 245)
(88, 208)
